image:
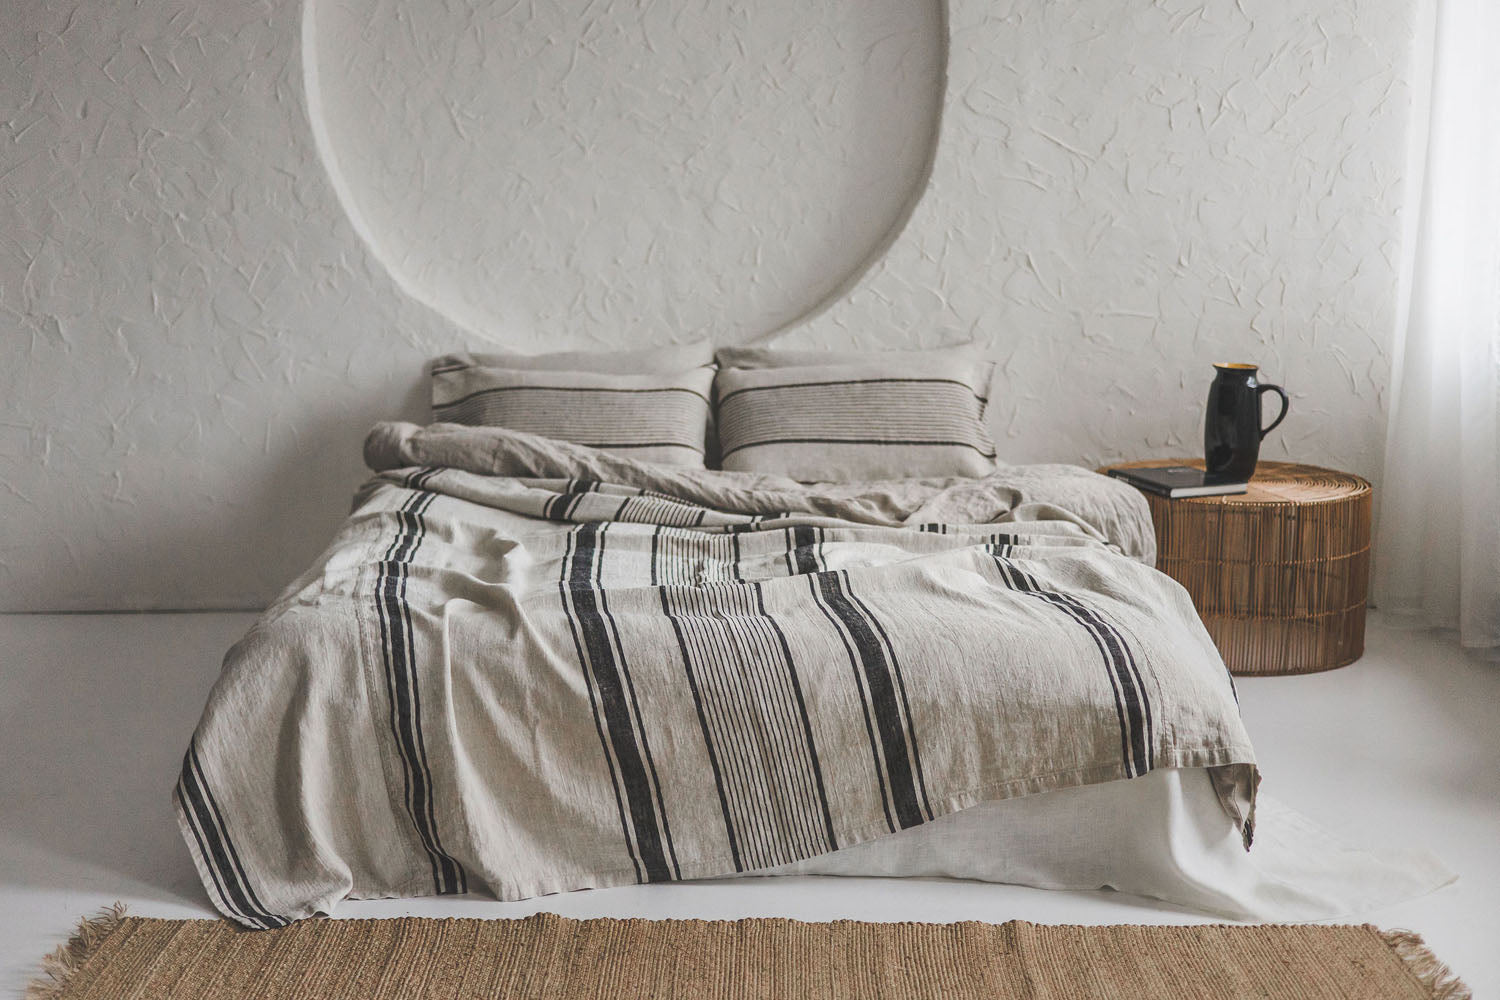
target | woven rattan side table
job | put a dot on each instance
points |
(1279, 573)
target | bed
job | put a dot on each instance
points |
(526, 666)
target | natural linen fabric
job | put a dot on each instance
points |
(1164, 836)
(875, 419)
(555, 958)
(655, 417)
(506, 674)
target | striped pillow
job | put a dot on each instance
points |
(662, 418)
(921, 417)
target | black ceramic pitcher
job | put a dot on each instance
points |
(1232, 430)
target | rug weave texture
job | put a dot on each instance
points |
(122, 958)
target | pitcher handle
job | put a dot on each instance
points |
(1284, 404)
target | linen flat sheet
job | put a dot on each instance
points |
(1164, 836)
(525, 667)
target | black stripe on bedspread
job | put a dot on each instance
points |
(573, 503)
(398, 652)
(749, 702)
(215, 846)
(1131, 704)
(876, 678)
(877, 675)
(643, 817)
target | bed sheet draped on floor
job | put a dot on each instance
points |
(525, 666)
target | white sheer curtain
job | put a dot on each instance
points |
(1438, 539)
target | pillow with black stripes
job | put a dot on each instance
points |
(920, 414)
(653, 416)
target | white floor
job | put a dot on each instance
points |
(1401, 748)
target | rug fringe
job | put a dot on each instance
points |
(62, 964)
(1427, 967)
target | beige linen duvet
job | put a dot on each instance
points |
(525, 667)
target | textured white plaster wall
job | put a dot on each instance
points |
(194, 334)
(624, 170)
(1125, 193)
(201, 318)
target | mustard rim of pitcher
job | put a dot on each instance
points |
(1238, 366)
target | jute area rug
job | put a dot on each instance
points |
(121, 958)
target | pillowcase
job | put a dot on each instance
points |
(917, 414)
(653, 417)
(642, 361)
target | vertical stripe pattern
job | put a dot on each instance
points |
(616, 710)
(877, 672)
(206, 821)
(1131, 704)
(399, 654)
(565, 682)
(749, 701)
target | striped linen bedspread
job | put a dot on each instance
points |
(525, 667)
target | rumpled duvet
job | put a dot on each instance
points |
(525, 667)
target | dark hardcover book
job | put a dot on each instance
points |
(1178, 481)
